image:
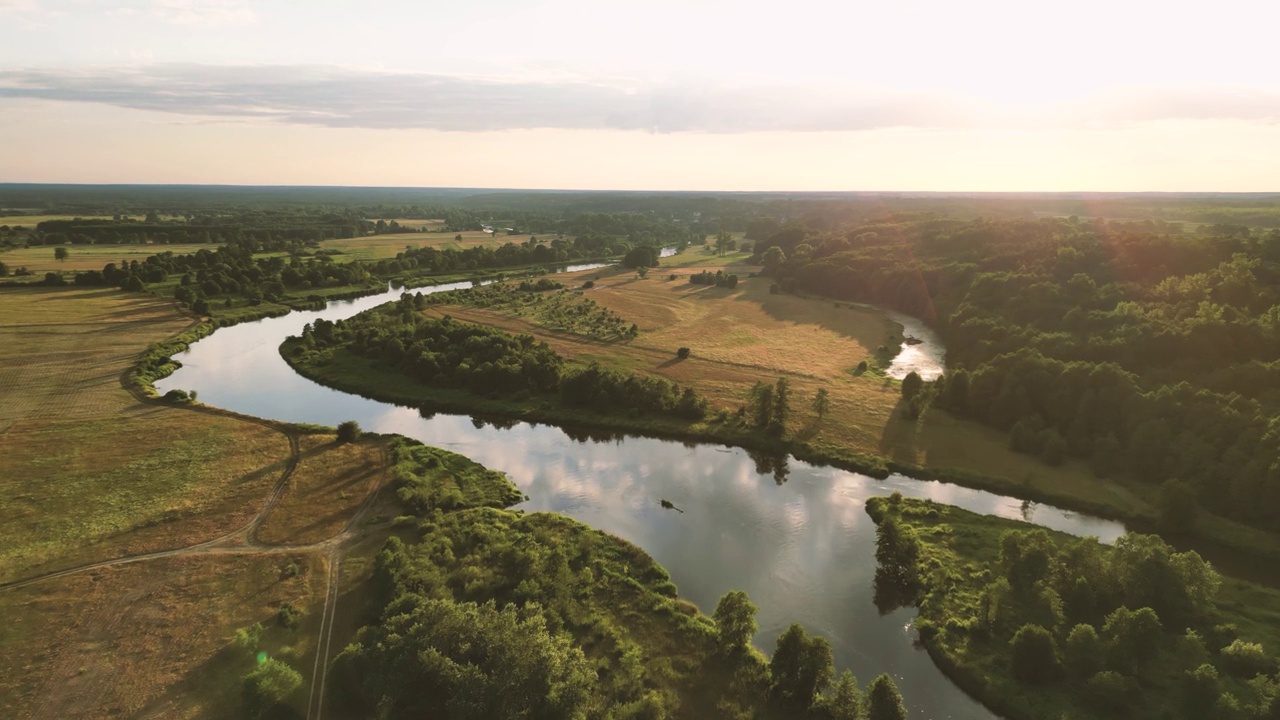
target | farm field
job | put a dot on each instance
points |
(40, 260)
(382, 247)
(30, 221)
(153, 639)
(138, 535)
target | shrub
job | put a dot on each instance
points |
(683, 353)
(268, 685)
(1246, 659)
(349, 431)
(1202, 689)
(289, 616)
(588, 284)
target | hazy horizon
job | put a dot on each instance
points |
(993, 96)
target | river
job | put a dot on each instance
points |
(803, 549)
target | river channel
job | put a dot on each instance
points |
(803, 549)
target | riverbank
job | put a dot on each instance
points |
(965, 624)
(368, 378)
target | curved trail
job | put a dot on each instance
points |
(244, 541)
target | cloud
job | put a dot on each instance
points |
(204, 12)
(340, 97)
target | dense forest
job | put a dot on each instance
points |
(1148, 349)
(1040, 624)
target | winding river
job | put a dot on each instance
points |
(803, 549)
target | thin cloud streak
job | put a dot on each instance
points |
(329, 96)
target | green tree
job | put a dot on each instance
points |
(440, 658)
(269, 685)
(1133, 636)
(349, 431)
(1084, 652)
(781, 403)
(761, 404)
(884, 702)
(801, 667)
(1034, 656)
(773, 259)
(735, 619)
(821, 402)
(722, 241)
(61, 254)
(1026, 557)
(845, 701)
(641, 257)
(1202, 689)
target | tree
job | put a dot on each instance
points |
(61, 254)
(781, 403)
(845, 701)
(458, 237)
(1084, 652)
(897, 580)
(884, 702)
(641, 257)
(735, 619)
(722, 241)
(821, 402)
(268, 685)
(761, 404)
(912, 384)
(801, 667)
(1034, 656)
(349, 431)
(773, 259)
(4, 270)
(1133, 636)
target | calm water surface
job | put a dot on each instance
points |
(803, 550)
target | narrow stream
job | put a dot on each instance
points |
(803, 548)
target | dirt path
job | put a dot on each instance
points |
(244, 541)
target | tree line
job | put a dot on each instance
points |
(1146, 349)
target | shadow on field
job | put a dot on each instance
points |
(900, 440)
(867, 327)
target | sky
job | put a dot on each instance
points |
(981, 95)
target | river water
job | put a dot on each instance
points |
(803, 549)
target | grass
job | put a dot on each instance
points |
(330, 483)
(39, 259)
(151, 639)
(382, 247)
(960, 549)
(91, 473)
(30, 221)
(88, 490)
